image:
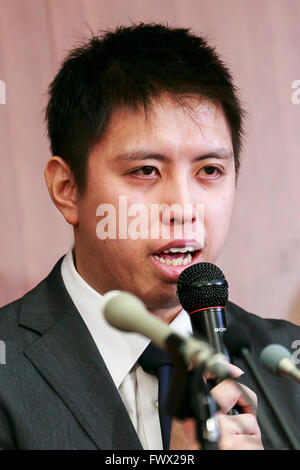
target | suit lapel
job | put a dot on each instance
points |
(68, 359)
(246, 378)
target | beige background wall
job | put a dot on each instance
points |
(260, 40)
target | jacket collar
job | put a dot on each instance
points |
(67, 357)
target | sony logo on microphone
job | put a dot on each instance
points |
(220, 329)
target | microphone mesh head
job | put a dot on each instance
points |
(202, 285)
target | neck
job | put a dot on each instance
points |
(167, 315)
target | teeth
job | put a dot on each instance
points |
(179, 250)
(175, 262)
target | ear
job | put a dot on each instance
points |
(62, 188)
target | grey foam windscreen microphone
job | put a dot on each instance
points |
(278, 360)
(271, 356)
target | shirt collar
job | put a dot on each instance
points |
(119, 350)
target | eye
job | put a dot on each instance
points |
(212, 171)
(145, 171)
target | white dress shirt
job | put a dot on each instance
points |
(120, 352)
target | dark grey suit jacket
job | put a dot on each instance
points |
(55, 390)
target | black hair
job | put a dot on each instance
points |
(132, 66)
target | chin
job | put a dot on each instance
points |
(155, 300)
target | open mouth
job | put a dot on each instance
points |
(176, 256)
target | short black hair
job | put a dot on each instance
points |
(131, 66)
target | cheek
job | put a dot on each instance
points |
(217, 215)
(102, 201)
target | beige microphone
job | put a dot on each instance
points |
(127, 312)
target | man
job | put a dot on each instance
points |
(150, 114)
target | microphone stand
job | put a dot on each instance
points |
(287, 432)
(205, 409)
(189, 397)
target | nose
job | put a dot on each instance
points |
(182, 214)
(179, 214)
(179, 205)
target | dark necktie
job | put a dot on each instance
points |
(157, 362)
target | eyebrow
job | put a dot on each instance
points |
(140, 155)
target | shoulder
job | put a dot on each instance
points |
(10, 309)
(9, 317)
(32, 307)
(240, 314)
(264, 330)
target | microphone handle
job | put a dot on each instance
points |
(286, 368)
(211, 324)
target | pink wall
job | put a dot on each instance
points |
(258, 38)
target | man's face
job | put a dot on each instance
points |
(172, 157)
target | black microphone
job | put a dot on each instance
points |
(203, 293)
(238, 343)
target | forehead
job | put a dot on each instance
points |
(170, 126)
